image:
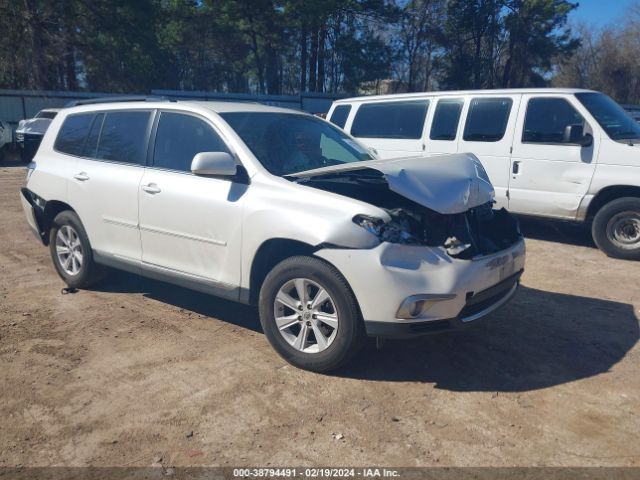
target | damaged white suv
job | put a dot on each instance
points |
(277, 208)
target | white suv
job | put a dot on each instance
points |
(277, 208)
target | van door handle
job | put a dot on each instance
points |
(152, 188)
(81, 177)
(516, 167)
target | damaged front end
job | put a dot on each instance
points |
(445, 202)
(477, 232)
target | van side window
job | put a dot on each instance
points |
(445, 120)
(547, 119)
(73, 134)
(394, 120)
(487, 119)
(124, 137)
(340, 114)
(180, 137)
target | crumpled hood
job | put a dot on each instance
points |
(447, 184)
(34, 126)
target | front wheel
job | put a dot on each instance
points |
(309, 314)
(616, 228)
(71, 251)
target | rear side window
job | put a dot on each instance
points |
(73, 134)
(124, 137)
(340, 114)
(180, 137)
(547, 119)
(487, 119)
(445, 120)
(402, 120)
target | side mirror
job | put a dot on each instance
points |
(586, 140)
(220, 164)
(574, 134)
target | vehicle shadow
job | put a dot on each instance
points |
(538, 340)
(556, 231)
(200, 303)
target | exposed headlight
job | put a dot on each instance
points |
(385, 231)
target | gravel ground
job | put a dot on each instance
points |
(136, 372)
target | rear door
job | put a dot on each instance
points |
(488, 133)
(549, 175)
(104, 187)
(190, 224)
(392, 128)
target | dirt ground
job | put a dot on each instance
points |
(124, 373)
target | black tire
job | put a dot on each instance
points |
(604, 228)
(89, 272)
(349, 335)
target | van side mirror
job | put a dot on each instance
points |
(220, 164)
(574, 134)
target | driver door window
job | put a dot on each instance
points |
(547, 119)
(180, 137)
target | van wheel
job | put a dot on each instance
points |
(616, 228)
(71, 252)
(309, 314)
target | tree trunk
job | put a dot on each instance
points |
(313, 59)
(321, 51)
(303, 58)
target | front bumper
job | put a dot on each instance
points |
(479, 306)
(382, 278)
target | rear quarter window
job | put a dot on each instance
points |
(73, 134)
(394, 120)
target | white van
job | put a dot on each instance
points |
(560, 153)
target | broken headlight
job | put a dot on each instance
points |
(392, 231)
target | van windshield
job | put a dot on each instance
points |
(287, 143)
(618, 124)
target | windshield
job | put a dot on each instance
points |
(287, 143)
(612, 117)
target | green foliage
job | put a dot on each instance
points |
(280, 46)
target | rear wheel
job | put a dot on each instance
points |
(71, 252)
(616, 228)
(309, 314)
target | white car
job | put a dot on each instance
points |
(558, 153)
(277, 208)
(30, 132)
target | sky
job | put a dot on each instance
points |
(600, 12)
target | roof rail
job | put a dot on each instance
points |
(124, 98)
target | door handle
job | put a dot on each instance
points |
(152, 188)
(81, 177)
(516, 167)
